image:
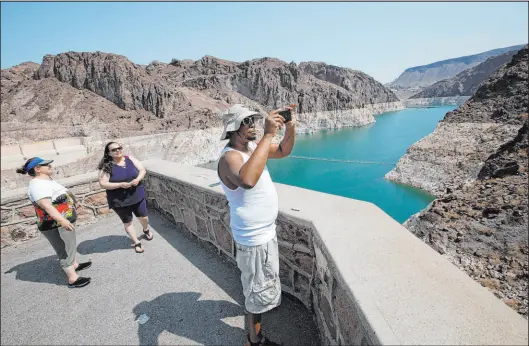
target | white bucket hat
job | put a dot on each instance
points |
(233, 117)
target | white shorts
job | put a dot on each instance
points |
(259, 267)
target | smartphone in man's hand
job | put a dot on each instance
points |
(287, 114)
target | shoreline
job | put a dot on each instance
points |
(212, 163)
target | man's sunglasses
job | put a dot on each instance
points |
(116, 149)
(248, 121)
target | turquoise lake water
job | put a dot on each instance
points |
(384, 141)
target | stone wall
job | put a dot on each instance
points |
(366, 279)
(303, 262)
(18, 215)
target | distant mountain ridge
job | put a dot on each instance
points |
(425, 75)
(466, 83)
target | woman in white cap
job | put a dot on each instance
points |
(55, 207)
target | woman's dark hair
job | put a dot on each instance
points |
(24, 170)
(105, 164)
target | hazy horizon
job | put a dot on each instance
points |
(403, 35)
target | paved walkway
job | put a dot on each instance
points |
(189, 293)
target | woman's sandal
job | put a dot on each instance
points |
(263, 342)
(147, 233)
(137, 247)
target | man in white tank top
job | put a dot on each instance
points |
(252, 198)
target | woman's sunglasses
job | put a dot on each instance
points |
(114, 150)
(248, 121)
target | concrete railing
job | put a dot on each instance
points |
(64, 151)
(18, 214)
(365, 277)
(72, 159)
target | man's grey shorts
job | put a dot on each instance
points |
(259, 267)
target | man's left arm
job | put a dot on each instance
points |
(283, 149)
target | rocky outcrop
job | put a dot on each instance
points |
(13, 77)
(312, 122)
(109, 91)
(37, 110)
(422, 76)
(454, 153)
(510, 159)
(482, 228)
(405, 93)
(435, 101)
(476, 162)
(451, 156)
(466, 83)
(365, 90)
(115, 78)
(271, 83)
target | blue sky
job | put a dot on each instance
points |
(381, 39)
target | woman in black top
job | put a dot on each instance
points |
(121, 176)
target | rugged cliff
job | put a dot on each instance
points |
(466, 83)
(482, 228)
(455, 152)
(101, 92)
(476, 163)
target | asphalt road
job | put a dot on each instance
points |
(189, 294)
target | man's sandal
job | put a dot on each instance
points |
(147, 234)
(137, 247)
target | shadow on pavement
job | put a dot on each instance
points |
(42, 270)
(207, 259)
(48, 269)
(104, 244)
(183, 314)
(289, 324)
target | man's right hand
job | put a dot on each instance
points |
(67, 225)
(125, 185)
(273, 122)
